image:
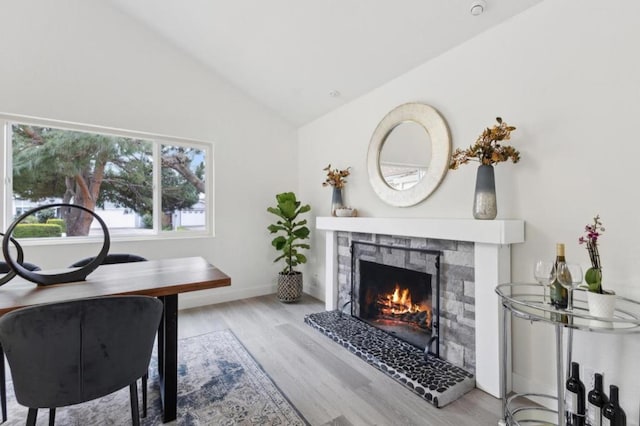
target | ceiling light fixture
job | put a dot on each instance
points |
(334, 93)
(477, 7)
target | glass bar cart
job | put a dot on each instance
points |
(526, 301)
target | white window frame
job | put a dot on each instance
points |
(6, 171)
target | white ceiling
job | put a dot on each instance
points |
(290, 54)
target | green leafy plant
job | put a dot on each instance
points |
(288, 209)
(593, 275)
(60, 222)
(37, 230)
(488, 149)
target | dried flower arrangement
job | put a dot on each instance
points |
(593, 276)
(487, 150)
(335, 177)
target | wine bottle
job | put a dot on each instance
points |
(559, 294)
(574, 398)
(612, 413)
(596, 400)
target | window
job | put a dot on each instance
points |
(141, 185)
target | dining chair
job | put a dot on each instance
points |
(4, 269)
(110, 260)
(66, 353)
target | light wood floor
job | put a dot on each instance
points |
(326, 383)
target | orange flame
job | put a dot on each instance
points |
(399, 302)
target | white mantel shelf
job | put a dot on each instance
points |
(492, 266)
(479, 231)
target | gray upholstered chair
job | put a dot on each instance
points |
(112, 259)
(70, 352)
(4, 269)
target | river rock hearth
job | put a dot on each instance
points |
(435, 380)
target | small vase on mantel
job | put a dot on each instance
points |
(336, 200)
(485, 206)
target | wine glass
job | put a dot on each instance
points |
(544, 272)
(569, 276)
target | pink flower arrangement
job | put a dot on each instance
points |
(593, 276)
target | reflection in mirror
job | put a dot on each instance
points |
(405, 155)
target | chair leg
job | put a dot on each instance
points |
(31, 417)
(133, 396)
(144, 394)
(3, 387)
(52, 416)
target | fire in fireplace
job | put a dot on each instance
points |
(399, 306)
(397, 300)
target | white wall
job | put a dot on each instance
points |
(83, 61)
(568, 78)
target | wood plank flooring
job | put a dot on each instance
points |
(328, 384)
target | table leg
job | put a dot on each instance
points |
(168, 357)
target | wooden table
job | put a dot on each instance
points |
(164, 278)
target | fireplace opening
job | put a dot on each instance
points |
(397, 300)
(396, 289)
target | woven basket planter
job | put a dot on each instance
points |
(290, 287)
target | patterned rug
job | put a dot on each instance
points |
(219, 383)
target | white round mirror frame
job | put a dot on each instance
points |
(434, 124)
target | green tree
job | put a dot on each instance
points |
(129, 186)
(88, 169)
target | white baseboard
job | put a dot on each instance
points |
(316, 292)
(219, 295)
(228, 294)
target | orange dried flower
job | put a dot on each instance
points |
(336, 177)
(488, 150)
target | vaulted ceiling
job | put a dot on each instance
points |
(303, 58)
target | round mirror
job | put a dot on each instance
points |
(405, 155)
(408, 154)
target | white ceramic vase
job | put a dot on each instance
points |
(601, 305)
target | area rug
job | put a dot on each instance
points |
(219, 383)
(434, 379)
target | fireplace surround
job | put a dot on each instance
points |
(491, 241)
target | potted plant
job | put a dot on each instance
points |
(601, 302)
(288, 242)
(488, 150)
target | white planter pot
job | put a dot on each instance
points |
(601, 305)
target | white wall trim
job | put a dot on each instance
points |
(214, 296)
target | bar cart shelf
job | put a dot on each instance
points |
(526, 301)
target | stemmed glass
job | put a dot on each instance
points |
(569, 276)
(544, 272)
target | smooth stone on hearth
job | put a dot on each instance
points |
(400, 360)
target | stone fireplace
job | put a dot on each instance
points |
(396, 300)
(447, 266)
(476, 258)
